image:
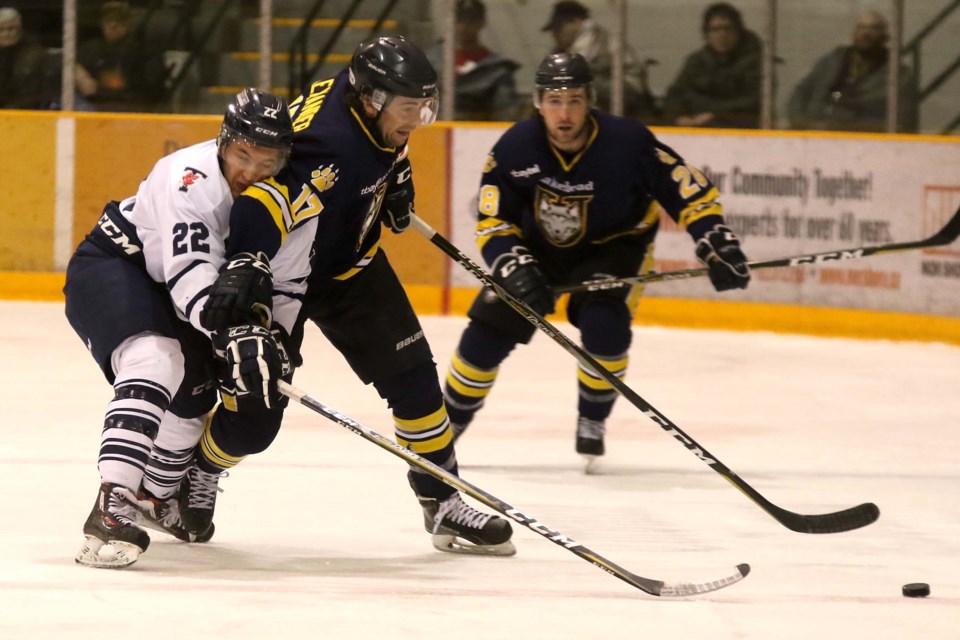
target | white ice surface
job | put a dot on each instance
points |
(320, 536)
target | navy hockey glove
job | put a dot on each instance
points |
(241, 294)
(720, 251)
(252, 362)
(518, 273)
(398, 203)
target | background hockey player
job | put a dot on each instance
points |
(135, 290)
(571, 195)
(349, 171)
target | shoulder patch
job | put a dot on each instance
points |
(324, 177)
(189, 177)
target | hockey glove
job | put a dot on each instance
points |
(519, 273)
(719, 250)
(398, 203)
(241, 294)
(252, 362)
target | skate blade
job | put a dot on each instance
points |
(592, 465)
(113, 555)
(453, 544)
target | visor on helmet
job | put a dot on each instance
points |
(412, 111)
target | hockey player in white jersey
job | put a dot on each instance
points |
(135, 290)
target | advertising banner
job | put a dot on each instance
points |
(786, 194)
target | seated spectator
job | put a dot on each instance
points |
(23, 71)
(116, 72)
(575, 32)
(847, 88)
(719, 84)
(485, 87)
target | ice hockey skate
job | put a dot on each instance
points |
(198, 498)
(590, 442)
(164, 515)
(113, 539)
(459, 528)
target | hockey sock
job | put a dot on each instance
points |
(421, 424)
(473, 370)
(605, 330)
(172, 453)
(148, 368)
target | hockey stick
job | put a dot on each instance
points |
(647, 585)
(845, 520)
(946, 235)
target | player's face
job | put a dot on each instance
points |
(401, 116)
(244, 164)
(565, 113)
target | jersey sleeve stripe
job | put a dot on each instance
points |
(172, 282)
(275, 204)
(188, 310)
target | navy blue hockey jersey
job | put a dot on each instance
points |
(336, 179)
(564, 206)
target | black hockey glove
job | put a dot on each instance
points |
(720, 251)
(241, 294)
(398, 202)
(518, 273)
(252, 361)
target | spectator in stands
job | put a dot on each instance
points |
(719, 84)
(23, 66)
(575, 32)
(117, 72)
(485, 87)
(847, 88)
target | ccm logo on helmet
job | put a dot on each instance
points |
(266, 131)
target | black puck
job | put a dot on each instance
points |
(916, 590)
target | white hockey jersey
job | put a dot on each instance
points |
(182, 218)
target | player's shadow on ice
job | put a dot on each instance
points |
(236, 562)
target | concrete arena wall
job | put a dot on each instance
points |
(58, 171)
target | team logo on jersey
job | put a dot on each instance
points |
(323, 178)
(190, 176)
(563, 219)
(490, 164)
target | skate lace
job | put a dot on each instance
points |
(591, 429)
(459, 512)
(204, 488)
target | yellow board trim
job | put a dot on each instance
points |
(668, 312)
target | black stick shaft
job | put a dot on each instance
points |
(647, 585)
(845, 520)
(945, 236)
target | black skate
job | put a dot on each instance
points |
(198, 497)
(590, 440)
(113, 539)
(459, 528)
(163, 514)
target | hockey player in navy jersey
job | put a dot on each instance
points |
(570, 195)
(348, 174)
(136, 290)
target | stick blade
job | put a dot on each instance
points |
(836, 522)
(683, 589)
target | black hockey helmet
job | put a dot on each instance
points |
(258, 118)
(563, 71)
(393, 66)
